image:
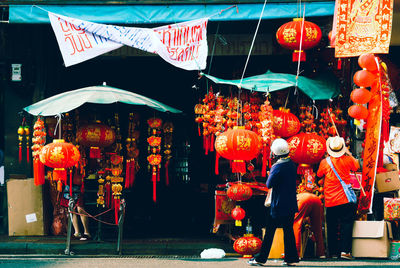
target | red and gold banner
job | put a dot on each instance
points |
(371, 150)
(362, 26)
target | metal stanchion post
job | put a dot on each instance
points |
(121, 225)
(69, 228)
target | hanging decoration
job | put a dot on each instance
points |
(101, 191)
(115, 178)
(238, 215)
(154, 151)
(132, 151)
(266, 131)
(168, 129)
(285, 123)
(239, 145)
(60, 156)
(298, 35)
(23, 130)
(38, 141)
(248, 245)
(239, 192)
(95, 136)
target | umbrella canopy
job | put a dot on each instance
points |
(323, 88)
(67, 101)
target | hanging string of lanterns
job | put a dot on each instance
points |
(38, 141)
(154, 151)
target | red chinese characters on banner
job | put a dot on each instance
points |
(362, 27)
(76, 36)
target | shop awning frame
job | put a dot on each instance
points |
(157, 14)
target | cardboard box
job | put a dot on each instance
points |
(277, 249)
(387, 181)
(391, 167)
(371, 239)
(25, 208)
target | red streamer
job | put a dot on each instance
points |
(107, 196)
(20, 154)
(70, 183)
(117, 203)
(217, 156)
(166, 173)
(154, 179)
(212, 142)
(27, 154)
(127, 173)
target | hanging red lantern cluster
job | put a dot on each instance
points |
(307, 119)
(298, 35)
(60, 156)
(285, 123)
(239, 145)
(95, 136)
(266, 131)
(38, 140)
(326, 127)
(239, 192)
(132, 152)
(238, 215)
(154, 151)
(248, 245)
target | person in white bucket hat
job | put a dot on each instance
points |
(340, 213)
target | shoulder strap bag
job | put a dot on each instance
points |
(348, 190)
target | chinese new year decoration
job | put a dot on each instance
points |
(60, 156)
(168, 129)
(38, 141)
(298, 35)
(23, 130)
(154, 150)
(248, 245)
(285, 123)
(238, 215)
(239, 145)
(95, 136)
(132, 151)
(239, 192)
(265, 129)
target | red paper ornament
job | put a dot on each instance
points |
(247, 245)
(285, 123)
(367, 61)
(239, 145)
(358, 112)
(238, 214)
(291, 36)
(364, 78)
(95, 136)
(360, 95)
(239, 192)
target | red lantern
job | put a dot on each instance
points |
(247, 245)
(364, 78)
(238, 214)
(367, 61)
(95, 136)
(59, 155)
(306, 149)
(360, 95)
(291, 36)
(358, 112)
(285, 123)
(239, 192)
(239, 145)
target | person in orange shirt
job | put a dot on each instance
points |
(340, 214)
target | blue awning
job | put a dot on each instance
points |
(153, 14)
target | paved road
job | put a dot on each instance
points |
(170, 262)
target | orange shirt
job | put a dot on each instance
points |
(333, 190)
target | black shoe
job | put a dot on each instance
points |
(86, 237)
(289, 263)
(253, 262)
(76, 236)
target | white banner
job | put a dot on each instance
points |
(184, 45)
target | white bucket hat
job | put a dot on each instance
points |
(280, 147)
(335, 146)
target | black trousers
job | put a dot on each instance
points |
(339, 223)
(286, 223)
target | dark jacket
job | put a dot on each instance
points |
(282, 179)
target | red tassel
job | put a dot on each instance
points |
(70, 183)
(212, 143)
(20, 154)
(264, 162)
(303, 169)
(60, 174)
(41, 173)
(35, 172)
(107, 194)
(132, 173)
(166, 173)
(154, 179)
(206, 146)
(59, 186)
(117, 203)
(239, 166)
(217, 156)
(127, 173)
(158, 174)
(27, 155)
(83, 186)
(95, 152)
(198, 130)
(339, 64)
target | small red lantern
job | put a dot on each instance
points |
(247, 245)
(306, 149)
(360, 95)
(59, 155)
(367, 61)
(239, 145)
(95, 136)
(285, 123)
(239, 192)
(238, 214)
(358, 112)
(364, 78)
(291, 36)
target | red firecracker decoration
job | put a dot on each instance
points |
(239, 192)
(291, 36)
(59, 155)
(95, 136)
(239, 145)
(306, 149)
(238, 215)
(168, 129)
(154, 150)
(38, 141)
(266, 131)
(285, 123)
(248, 245)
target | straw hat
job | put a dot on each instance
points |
(335, 146)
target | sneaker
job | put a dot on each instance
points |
(86, 237)
(253, 262)
(346, 256)
(288, 263)
(76, 236)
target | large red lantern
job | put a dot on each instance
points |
(247, 245)
(360, 95)
(368, 61)
(95, 136)
(238, 214)
(285, 123)
(358, 112)
(306, 148)
(59, 155)
(239, 192)
(364, 78)
(291, 36)
(239, 145)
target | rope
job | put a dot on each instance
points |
(300, 47)
(94, 217)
